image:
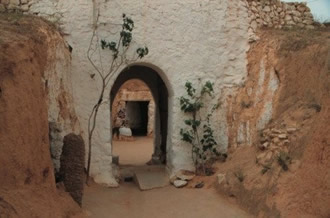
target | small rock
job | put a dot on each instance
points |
(125, 131)
(180, 183)
(266, 9)
(291, 23)
(15, 2)
(221, 177)
(282, 136)
(276, 140)
(254, 9)
(5, 2)
(288, 18)
(185, 175)
(308, 22)
(25, 8)
(254, 25)
(277, 131)
(12, 7)
(264, 146)
(310, 27)
(301, 8)
(296, 13)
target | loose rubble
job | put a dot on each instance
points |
(272, 142)
(181, 178)
(277, 14)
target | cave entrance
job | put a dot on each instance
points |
(139, 113)
(137, 117)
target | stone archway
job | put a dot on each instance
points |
(160, 95)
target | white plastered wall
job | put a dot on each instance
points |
(187, 39)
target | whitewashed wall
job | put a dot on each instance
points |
(187, 39)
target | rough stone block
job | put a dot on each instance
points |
(72, 166)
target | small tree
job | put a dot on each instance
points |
(198, 131)
(117, 59)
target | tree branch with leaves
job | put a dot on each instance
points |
(198, 131)
(117, 60)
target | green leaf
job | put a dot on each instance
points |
(103, 44)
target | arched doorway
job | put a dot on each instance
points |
(159, 92)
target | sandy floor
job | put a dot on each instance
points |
(137, 152)
(128, 201)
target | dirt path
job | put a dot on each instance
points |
(137, 152)
(128, 201)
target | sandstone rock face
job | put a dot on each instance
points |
(72, 166)
(27, 184)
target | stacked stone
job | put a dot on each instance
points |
(272, 142)
(277, 14)
(15, 5)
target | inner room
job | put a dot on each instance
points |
(133, 120)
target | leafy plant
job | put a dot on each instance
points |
(198, 131)
(284, 160)
(118, 49)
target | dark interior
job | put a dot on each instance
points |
(138, 113)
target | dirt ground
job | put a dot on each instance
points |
(128, 201)
(137, 152)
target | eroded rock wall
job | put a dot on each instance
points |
(57, 79)
(27, 184)
(286, 168)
